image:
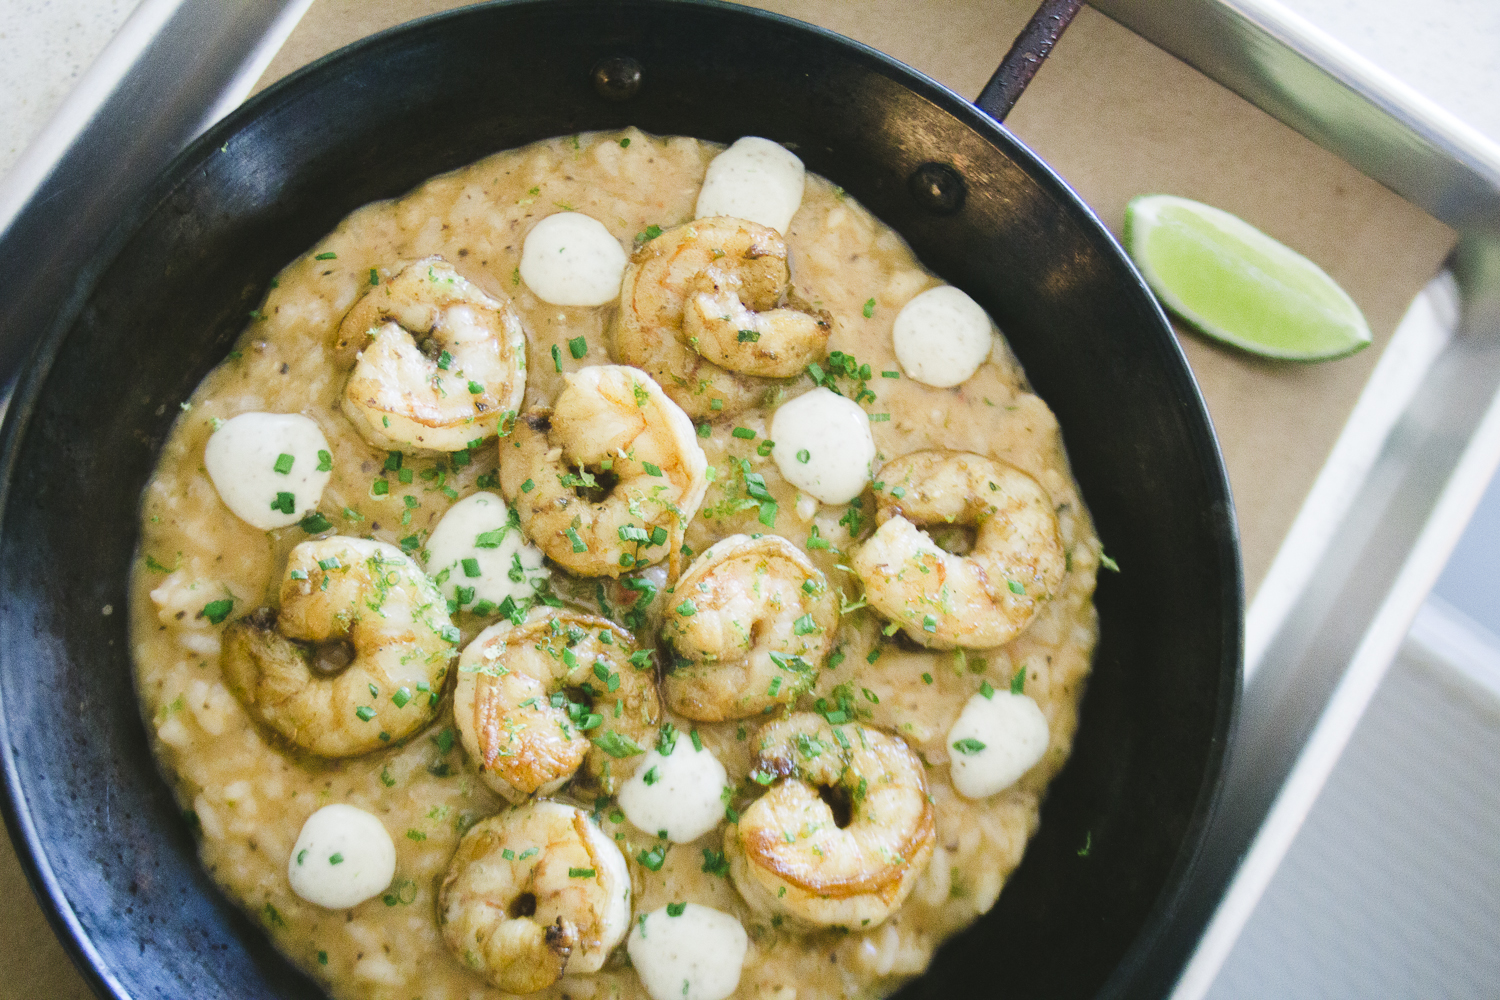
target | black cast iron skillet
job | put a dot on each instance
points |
(107, 848)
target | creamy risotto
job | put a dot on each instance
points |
(613, 569)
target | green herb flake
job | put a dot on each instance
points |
(805, 625)
(651, 470)
(578, 545)
(582, 873)
(687, 608)
(315, 523)
(365, 713)
(1108, 563)
(986, 689)
(926, 678)
(326, 255)
(804, 456)
(578, 347)
(869, 308)
(1015, 586)
(747, 336)
(616, 745)
(653, 859)
(556, 359)
(743, 433)
(1018, 682)
(471, 567)
(890, 374)
(675, 909)
(401, 697)
(968, 745)
(285, 502)
(217, 611)
(714, 862)
(650, 777)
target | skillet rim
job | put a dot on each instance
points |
(1145, 944)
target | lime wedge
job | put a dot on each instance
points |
(1234, 283)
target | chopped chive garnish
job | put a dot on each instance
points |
(804, 456)
(578, 347)
(968, 745)
(556, 359)
(217, 611)
(743, 433)
(326, 255)
(284, 463)
(471, 567)
(869, 308)
(890, 374)
(365, 713)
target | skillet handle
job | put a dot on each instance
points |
(1020, 64)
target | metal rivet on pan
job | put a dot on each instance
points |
(938, 188)
(617, 78)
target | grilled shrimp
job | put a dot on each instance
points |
(842, 836)
(705, 309)
(749, 622)
(355, 656)
(440, 361)
(978, 600)
(535, 701)
(533, 893)
(608, 479)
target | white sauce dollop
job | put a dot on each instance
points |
(343, 857)
(823, 445)
(570, 259)
(243, 458)
(942, 337)
(476, 546)
(1010, 731)
(683, 795)
(754, 179)
(696, 955)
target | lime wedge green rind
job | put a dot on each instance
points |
(1234, 283)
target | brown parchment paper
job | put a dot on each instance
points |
(1116, 117)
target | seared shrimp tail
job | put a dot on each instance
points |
(356, 655)
(441, 363)
(943, 600)
(707, 309)
(842, 835)
(749, 625)
(533, 893)
(606, 481)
